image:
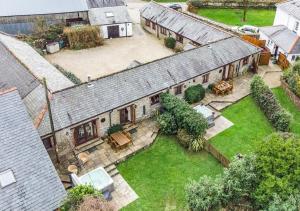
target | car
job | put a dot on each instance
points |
(247, 29)
(176, 7)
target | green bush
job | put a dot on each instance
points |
(170, 42)
(210, 86)
(268, 103)
(114, 128)
(292, 78)
(194, 94)
(76, 196)
(204, 194)
(185, 116)
(184, 138)
(167, 123)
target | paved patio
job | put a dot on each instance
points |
(241, 87)
(103, 155)
(221, 124)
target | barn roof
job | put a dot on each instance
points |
(40, 7)
(37, 185)
(82, 102)
(35, 63)
(183, 24)
(105, 3)
(283, 37)
(109, 15)
(292, 7)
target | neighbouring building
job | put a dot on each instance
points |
(105, 3)
(28, 179)
(82, 114)
(19, 16)
(283, 38)
(113, 21)
(166, 22)
(22, 67)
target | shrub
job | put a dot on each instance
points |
(76, 196)
(167, 123)
(278, 167)
(210, 86)
(184, 138)
(91, 203)
(170, 42)
(205, 194)
(194, 94)
(185, 116)
(197, 144)
(268, 103)
(72, 77)
(80, 37)
(114, 128)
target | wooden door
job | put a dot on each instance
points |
(124, 114)
(132, 112)
(113, 31)
(230, 72)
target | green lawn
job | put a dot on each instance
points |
(256, 17)
(160, 174)
(250, 126)
(290, 107)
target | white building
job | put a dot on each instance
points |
(284, 36)
(113, 21)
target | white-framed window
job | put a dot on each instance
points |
(109, 14)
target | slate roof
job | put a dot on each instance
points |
(291, 7)
(283, 37)
(35, 63)
(40, 7)
(14, 74)
(98, 16)
(37, 185)
(104, 3)
(180, 23)
(82, 102)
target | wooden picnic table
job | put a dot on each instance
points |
(222, 88)
(120, 139)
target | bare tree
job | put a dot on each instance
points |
(245, 7)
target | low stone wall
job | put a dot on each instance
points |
(290, 93)
(234, 3)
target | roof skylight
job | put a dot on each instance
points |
(6, 178)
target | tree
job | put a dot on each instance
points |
(205, 194)
(245, 8)
(278, 168)
(76, 196)
(291, 204)
(239, 180)
(91, 203)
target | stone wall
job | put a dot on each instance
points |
(290, 93)
(234, 3)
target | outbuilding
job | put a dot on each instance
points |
(113, 21)
(19, 16)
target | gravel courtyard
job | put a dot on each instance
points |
(115, 55)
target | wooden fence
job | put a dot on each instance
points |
(283, 62)
(218, 155)
(254, 41)
(264, 58)
(290, 93)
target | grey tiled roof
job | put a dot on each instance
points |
(37, 184)
(37, 7)
(187, 26)
(283, 37)
(81, 102)
(292, 7)
(104, 3)
(35, 63)
(14, 74)
(97, 16)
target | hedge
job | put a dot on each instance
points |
(194, 94)
(81, 37)
(185, 116)
(268, 103)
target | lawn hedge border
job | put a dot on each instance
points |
(266, 100)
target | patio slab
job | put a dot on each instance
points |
(221, 124)
(123, 193)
